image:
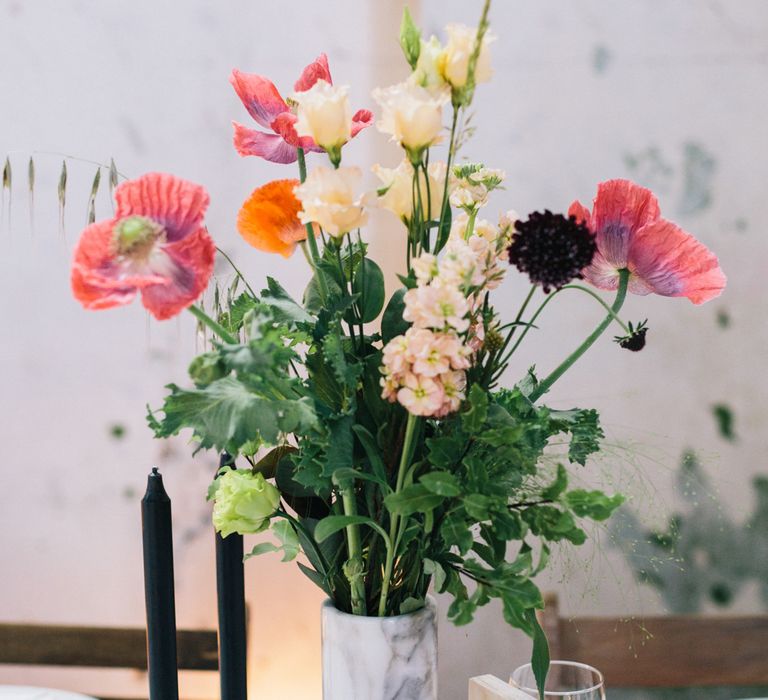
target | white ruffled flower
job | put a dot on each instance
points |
(323, 113)
(411, 115)
(330, 199)
(398, 194)
(429, 68)
(458, 49)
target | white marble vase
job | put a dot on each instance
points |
(380, 658)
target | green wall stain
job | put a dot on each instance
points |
(724, 418)
(698, 170)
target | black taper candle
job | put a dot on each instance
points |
(158, 590)
(230, 586)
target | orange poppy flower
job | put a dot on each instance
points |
(268, 220)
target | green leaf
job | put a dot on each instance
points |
(433, 568)
(346, 476)
(444, 451)
(556, 488)
(392, 322)
(477, 506)
(410, 39)
(313, 297)
(368, 284)
(372, 451)
(540, 654)
(474, 417)
(456, 533)
(347, 374)
(593, 504)
(442, 483)
(262, 548)
(315, 577)
(289, 540)
(226, 415)
(585, 430)
(412, 499)
(445, 229)
(285, 309)
(411, 604)
(333, 523)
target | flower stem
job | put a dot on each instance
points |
(445, 206)
(410, 430)
(564, 366)
(217, 328)
(311, 242)
(356, 581)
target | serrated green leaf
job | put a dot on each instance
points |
(285, 309)
(558, 486)
(442, 483)
(473, 418)
(226, 415)
(593, 504)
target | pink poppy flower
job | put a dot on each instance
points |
(265, 104)
(661, 257)
(155, 244)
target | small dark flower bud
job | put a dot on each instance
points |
(635, 340)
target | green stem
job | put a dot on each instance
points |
(237, 272)
(311, 242)
(356, 582)
(445, 206)
(564, 366)
(410, 430)
(217, 328)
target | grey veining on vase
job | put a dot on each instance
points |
(379, 658)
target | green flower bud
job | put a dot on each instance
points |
(244, 502)
(206, 368)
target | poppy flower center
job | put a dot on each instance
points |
(135, 236)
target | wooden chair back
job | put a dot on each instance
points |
(100, 647)
(674, 651)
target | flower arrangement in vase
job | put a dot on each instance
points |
(375, 441)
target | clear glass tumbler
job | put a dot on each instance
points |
(567, 680)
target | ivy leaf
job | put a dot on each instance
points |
(441, 483)
(593, 504)
(412, 499)
(226, 415)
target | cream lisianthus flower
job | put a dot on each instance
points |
(330, 199)
(429, 68)
(397, 189)
(411, 115)
(458, 50)
(323, 113)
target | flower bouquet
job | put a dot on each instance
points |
(373, 437)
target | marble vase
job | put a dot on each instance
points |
(380, 658)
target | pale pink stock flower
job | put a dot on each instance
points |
(453, 384)
(421, 396)
(436, 307)
(425, 268)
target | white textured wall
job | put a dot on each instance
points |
(669, 93)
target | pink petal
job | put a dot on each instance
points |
(259, 95)
(671, 262)
(271, 147)
(361, 119)
(601, 273)
(621, 208)
(177, 204)
(285, 125)
(190, 267)
(317, 70)
(93, 261)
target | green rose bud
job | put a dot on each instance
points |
(243, 502)
(206, 368)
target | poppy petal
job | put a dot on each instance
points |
(580, 212)
(317, 70)
(271, 147)
(671, 262)
(269, 221)
(189, 267)
(177, 204)
(285, 126)
(621, 208)
(361, 119)
(259, 96)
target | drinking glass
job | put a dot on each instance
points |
(566, 680)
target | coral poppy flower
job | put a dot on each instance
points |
(269, 220)
(661, 257)
(264, 103)
(155, 244)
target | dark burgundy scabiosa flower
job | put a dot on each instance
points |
(551, 249)
(635, 339)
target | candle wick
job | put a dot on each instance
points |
(154, 471)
